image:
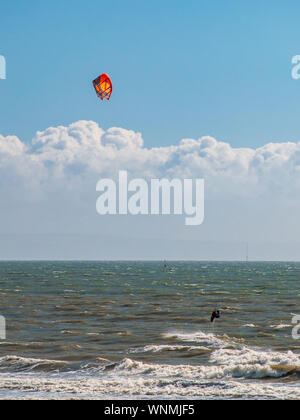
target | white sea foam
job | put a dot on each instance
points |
(229, 373)
(132, 379)
(280, 326)
(23, 364)
(161, 348)
(207, 339)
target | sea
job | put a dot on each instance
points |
(139, 330)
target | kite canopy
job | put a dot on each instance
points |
(103, 86)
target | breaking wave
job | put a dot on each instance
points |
(229, 373)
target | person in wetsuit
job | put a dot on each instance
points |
(214, 315)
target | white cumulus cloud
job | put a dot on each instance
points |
(48, 185)
(60, 154)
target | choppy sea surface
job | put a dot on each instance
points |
(110, 330)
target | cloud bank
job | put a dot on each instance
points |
(48, 185)
(62, 154)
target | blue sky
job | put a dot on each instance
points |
(179, 69)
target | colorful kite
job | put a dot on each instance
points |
(103, 86)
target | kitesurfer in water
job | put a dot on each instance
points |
(215, 314)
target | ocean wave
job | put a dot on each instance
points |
(280, 326)
(229, 365)
(254, 363)
(206, 339)
(169, 348)
(25, 364)
(32, 344)
(228, 357)
(223, 364)
(220, 378)
(62, 387)
(232, 370)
